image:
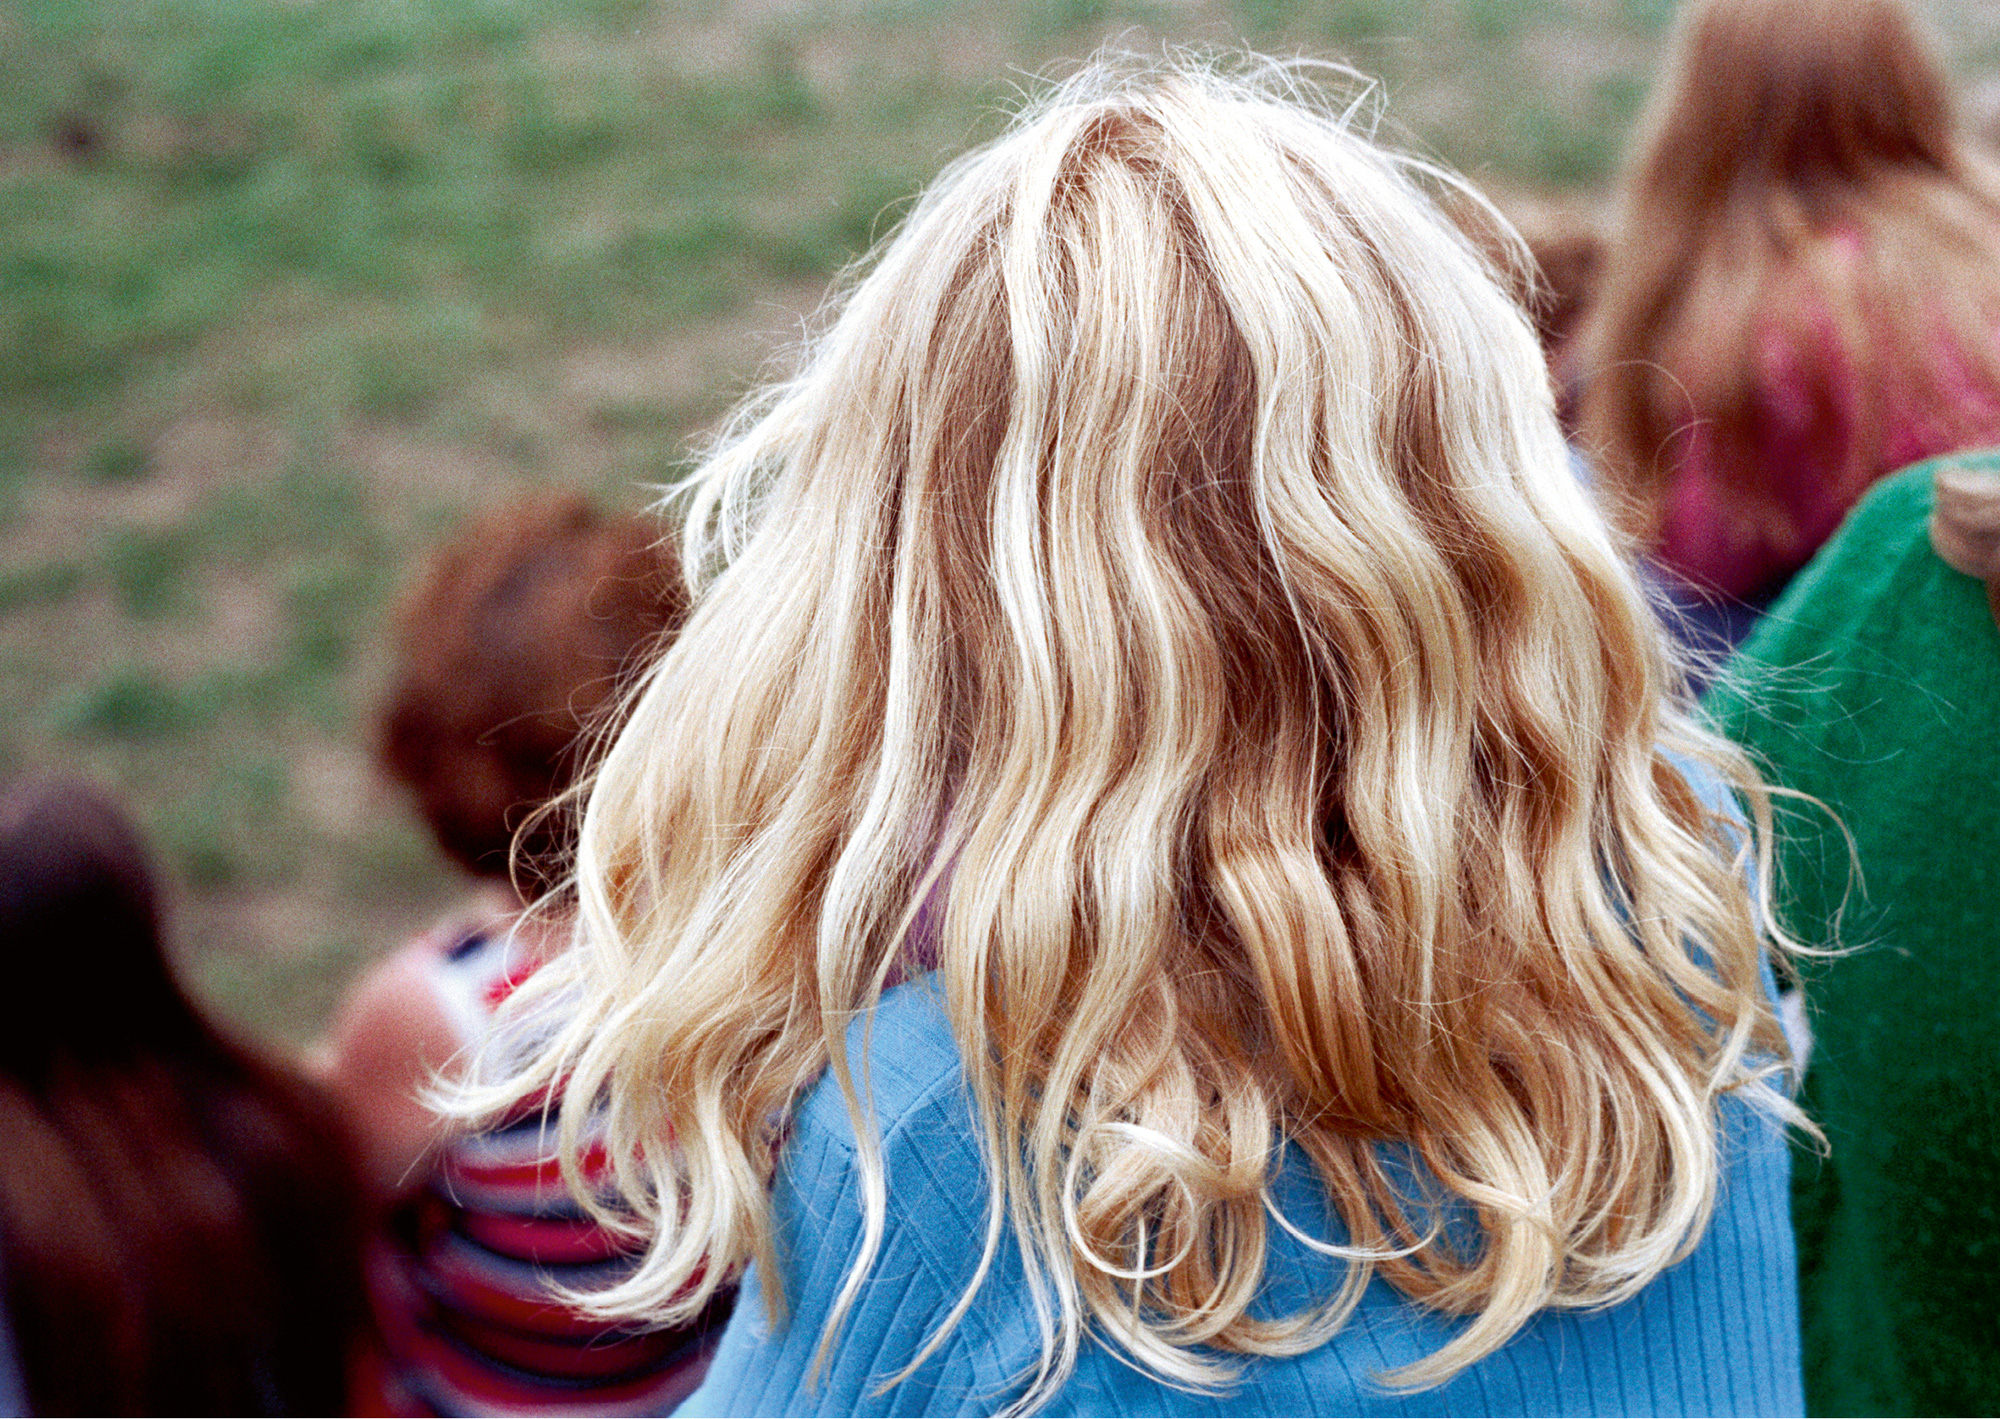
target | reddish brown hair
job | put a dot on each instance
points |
(179, 1219)
(1799, 177)
(513, 643)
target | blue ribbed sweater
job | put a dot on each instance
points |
(1718, 1334)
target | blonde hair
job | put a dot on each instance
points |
(1170, 550)
(1797, 184)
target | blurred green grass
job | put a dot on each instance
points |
(288, 286)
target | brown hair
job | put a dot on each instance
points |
(1799, 179)
(516, 638)
(179, 1219)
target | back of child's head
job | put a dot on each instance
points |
(1799, 184)
(1811, 95)
(80, 933)
(179, 1219)
(518, 636)
(1170, 558)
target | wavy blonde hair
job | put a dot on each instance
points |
(1169, 548)
(1798, 183)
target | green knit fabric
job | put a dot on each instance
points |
(1874, 686)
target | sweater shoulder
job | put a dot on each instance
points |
(1843, 616)
(907, 1072)
(1883, 543)
(1875, 621)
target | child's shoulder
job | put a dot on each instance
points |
(907, 1067)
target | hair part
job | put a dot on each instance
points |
(1209, 606)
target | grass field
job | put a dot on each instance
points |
(289, 286)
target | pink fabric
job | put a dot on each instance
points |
(1809, 405)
